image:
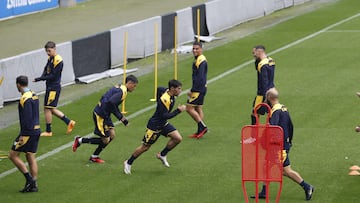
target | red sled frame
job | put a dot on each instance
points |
(265, 165)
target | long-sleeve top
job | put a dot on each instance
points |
(110, 101)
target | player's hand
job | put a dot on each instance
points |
(36, 80)
(182, 108)
(189, 94)
(124, 121)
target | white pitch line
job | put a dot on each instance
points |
(341, 31)
(214, 79)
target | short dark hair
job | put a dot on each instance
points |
(174, 83)
(50, 44)
(131, 78)
(22, 80)
(260, 47)
(197, 43)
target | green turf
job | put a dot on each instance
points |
(317, 81)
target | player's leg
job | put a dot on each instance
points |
(149, 138)
(295, 176)
(14, 156)
(138, 151)
(24, 144)
(194, 109)
(55, 99)
(200, 111)
(31, 159)
(175, 138)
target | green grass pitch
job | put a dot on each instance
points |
(317, 79)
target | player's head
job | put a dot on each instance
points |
(50, 48)
(21, 82)
(260, 51)
(131, 82)
(272, 96)
(197, 48)
(253, 52)
(174, 87)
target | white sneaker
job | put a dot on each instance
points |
(163, 159)
(127, 168)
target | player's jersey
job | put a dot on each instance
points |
(266, 73)
(29, 114)
(110, 101)
(281, 117)
(165, 104)
(199, 74)
(52, 71)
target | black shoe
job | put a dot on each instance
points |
(309, 192)
(260, 195)
(29, 187)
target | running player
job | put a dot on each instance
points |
(158, 125)
(104, 127)
(28, 138)
(52, 76)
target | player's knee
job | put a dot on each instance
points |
(106, 140)
(145, 147)
(189, 108)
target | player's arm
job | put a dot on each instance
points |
(275, 118)
(200, 81)
(264, 79)
(291, 132)
(56, 71)
(42, 75)
(165, 114)
(114, 103)
(27, 124)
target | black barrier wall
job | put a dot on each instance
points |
(203, 26)
(167, 31)
(91, 54)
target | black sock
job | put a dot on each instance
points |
(99, 149)
(164, 151)
(28, 177)
(253, 120)
(94, 140)
(66, 120)
(263, 190)
(131, 159)
(201, 126)
(304, 185)
(48, 127)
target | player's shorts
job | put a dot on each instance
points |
(102, 126)
(26, 143)
(286, 160)
(151, 136)
(196, 98)
(258, 100)
(52, 95)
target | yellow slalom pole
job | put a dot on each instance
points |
(124, 74)
(198, 24)
(1, 80)
(175, 49)
(155, 63)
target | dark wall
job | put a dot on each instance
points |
(91, 54)
(167, 31)
(203, 26)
